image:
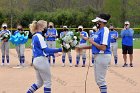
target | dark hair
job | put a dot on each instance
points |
(104, 16)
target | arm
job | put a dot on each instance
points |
(52, 50)
(100, 47)
(117, 35)
(85, 37)
(131, 32)
(122, 33)
(56, 34)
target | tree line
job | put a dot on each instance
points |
(69, 12)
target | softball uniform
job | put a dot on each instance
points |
(41, 64)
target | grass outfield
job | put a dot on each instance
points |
(136, 44)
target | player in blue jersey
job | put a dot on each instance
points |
(83, 42)
(64, 32)
(114, 43)
(91, 35)
(21, 47)
(40, 62)
(127, 43)
(51, 35)
(101, 50)
(5, 44)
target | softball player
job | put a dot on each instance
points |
(5, 44)
(20, 48)
(83, 42)
(114, 44)
(101, 50)
(91, 35)
(51, 35)
(40, 62)
(65, 30)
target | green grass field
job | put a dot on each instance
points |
(136, 44)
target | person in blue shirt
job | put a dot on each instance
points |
(51, 35)
(40, 62)
(127, 43)
(83, 42)
(5, 44)
(20, 48)
(91, 35)
(101, 50)
(114, 43)
(63, 33)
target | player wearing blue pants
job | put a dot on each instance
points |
(101, 51)
(40, 62)
(91, 35)
(114, 43)
(5, 44)
(127, 43)
(83, 42)
(51, 35)
(20, 48)
(65, 31)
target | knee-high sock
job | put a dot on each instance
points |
(116, 59)
(70, 59)
(63, 58)
(3, 58)
(84, 60)
(92, 60)
(53, 59)
(47, 90)
(7, 58)
(103, 89)
(32, 89)
(77, 59)
(23, 59)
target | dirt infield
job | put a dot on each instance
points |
(70, 79)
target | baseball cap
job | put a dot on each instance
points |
(127, 22)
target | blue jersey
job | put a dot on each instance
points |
(40, 47)
(5, 31)
(91, 35)
(65, 33)
(113, 34)
(51, 31)
(85, 34)
(102, 37)
(127, 37)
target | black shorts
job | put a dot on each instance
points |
(127, 49)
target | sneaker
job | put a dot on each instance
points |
(76, 65)
(70, 64)
(8, 64)
(83, 65)
(2, 64)
(63, 65)
(131, 65)
(125, 65)
(91, 65)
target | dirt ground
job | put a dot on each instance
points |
(70, 79)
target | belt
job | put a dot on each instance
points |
(50, 40)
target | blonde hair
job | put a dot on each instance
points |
(51, 23)
(36, 26)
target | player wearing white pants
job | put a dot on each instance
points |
(5, 44)
(21, 47)
(40, 62)
(51, 35)
(101, 50)
(64, 32)
(83, 42)
(114, 44)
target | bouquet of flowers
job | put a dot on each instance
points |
(70, 41)
(5, 36)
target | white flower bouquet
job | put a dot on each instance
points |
(70, 41)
